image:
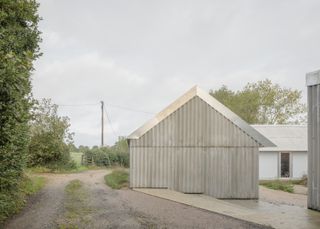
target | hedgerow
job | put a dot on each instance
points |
(19, 47)
(117, 155)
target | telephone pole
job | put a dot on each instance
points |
(102, 123)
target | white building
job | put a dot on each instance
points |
(289, 159)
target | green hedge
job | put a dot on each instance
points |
(107, 156)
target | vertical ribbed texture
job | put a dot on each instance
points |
(196, 150)
(314, 147)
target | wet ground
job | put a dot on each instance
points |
(261, 212)
(97, 206)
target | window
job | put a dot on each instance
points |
(285, 165)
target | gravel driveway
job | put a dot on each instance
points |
(112, 208)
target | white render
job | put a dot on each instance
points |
(268, 165)
(299, 164)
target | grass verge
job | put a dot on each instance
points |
(78, 169)
(77, 209)
(12, 202)
(286, 186)
(118, 179)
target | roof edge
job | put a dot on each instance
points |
(215, 104)
(164, 113)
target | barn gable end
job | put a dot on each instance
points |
(197, 145)
(195, 124)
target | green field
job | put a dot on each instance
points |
(76, 157)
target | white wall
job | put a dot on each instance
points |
(299, 164)
(268, 165)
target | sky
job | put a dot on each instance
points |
(139, 56)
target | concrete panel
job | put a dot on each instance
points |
(313, 140)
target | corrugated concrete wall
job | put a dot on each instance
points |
(313, 83)
(196, 150)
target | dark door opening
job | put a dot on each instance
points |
(285, 165)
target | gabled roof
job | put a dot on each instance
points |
(286, 137)
(215, 104)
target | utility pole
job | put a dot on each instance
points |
(102, 123)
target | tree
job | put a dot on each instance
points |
(121, 145)
(264, 103)
(50, 136)
(19, 47)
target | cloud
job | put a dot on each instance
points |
(144, 54)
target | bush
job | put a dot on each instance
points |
(11, 202)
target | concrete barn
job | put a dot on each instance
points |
(197, 145)
(289, 159)
(313, 84)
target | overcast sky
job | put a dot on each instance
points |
(142, 55)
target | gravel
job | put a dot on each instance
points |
(114, 208)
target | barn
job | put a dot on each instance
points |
(313, 83)
(197, 145)
(289, 159)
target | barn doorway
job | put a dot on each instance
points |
(285, 165)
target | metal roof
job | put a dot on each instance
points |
(215, 104)
(286, 137)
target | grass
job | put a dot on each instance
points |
(286, 186)
(77, 209)
(118, 179)
(33, 185)
(77, 169)
(12, 202)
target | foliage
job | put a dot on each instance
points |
(50, 137)
(264, 103)
(12, 201)
(117, 179)
(117, 155)
(285, 186)
(19, 39)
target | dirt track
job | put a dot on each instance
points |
(113, 208)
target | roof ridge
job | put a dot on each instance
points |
(214, 103)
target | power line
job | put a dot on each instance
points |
(109, 121)
(109, 105)
(77, 105)
(129, 109)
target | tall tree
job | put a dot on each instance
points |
(50, 136)
(19, 47)
(264, 103)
